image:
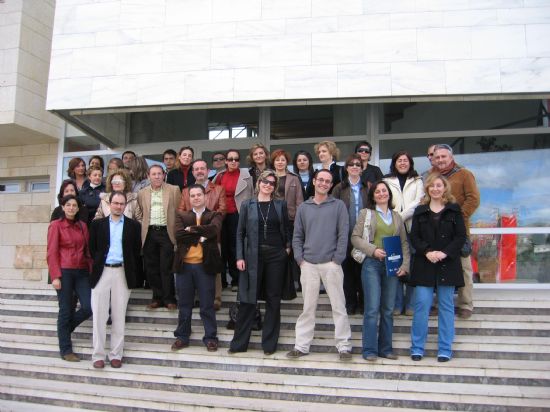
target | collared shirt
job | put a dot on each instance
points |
(115, 242)
(356, 188)
(157, 209)
(386, 217)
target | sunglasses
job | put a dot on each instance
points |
(363, 150)
(356, 164)
(233, 159)
(115, 181)
(430, 155)
(218, 159)
(268, 182)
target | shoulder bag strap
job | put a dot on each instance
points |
(367, 225)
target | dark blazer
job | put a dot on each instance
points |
(448, 237)
(371, 175)
(338, 173)
(175, 177)
(131, 250)
(211, 223)
(247, 247)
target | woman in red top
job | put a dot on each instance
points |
(69, 266)
(238, 187)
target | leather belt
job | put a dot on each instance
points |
(157, 227)
(114, 265)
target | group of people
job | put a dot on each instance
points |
(189, 230)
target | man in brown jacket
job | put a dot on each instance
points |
(215, 202)
(157, 206)
(466, 193)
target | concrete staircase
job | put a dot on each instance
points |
(502, 362)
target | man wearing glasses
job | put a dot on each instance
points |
(320, 242)
(431, 158)
(218, 165)
(370, 172)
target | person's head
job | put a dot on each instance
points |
(322, 181)
(96, 161)
(185, 156)
(68, 187)
(258, 155)
(354, 166)
(117, 201)
(169, 159)
(437, 187)
(118, 181)
(280, 159)
(156, 176)
(364, 149)
(327, 151)
(430, 155)
(267, 183)
(197, 196)
(77, 168)
(127, 156)
(95, 175)
(302, 162)
(443, 157)
(199, 168)
(114, 164)
(402, 163)
(218, 160)
(379, 194)
(232, 160)
(138, 168)
(70, 205)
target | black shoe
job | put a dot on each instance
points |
(416, 357)
(231, 324)
(350, 310)
(443, 359)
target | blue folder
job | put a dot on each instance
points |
(394, 254)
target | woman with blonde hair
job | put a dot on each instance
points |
(328, 153)
(258, 160)
(438, 233)
(139, 172)
(118, 181)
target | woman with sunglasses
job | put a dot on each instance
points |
(263, 245)
(354, 194)
(238, 188)
(370, 172)
(118, 181)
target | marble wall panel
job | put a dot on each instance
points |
(111, 91)
(311, 25)
(497, 4)
(472, 77)
(209, 86)
(519, 75)
(118, 37)
(141, 14)
(257, 83)
(139, 58)
(160, 88)
(274, 27)
(311, 81)
(180, 12)
(236, 52)
(538, 40)
(531, 15)
(336, 8)
(418, 78)
(347, 47)
(388, 6)
(390, 46)
(186, 55)
(236, 10)
(367, 22)
(444, 44)
(69, 93)
(465, 18)
(290, 50)
(441, 5)
(212, 30)
(94, 61)
(276, 9)
(492, 42)
(87, 18)
(370, 79)
(73, 41)
(416, 20)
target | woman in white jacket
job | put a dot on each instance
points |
(407, 191)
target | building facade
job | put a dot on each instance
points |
(213, 74)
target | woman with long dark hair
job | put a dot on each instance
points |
(407, 191)
(77, 172)
(263, 245)
(69, 264)
(378, 286)
(68, 187)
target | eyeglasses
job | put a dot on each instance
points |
(356, 164)
(233, 159)
(218, 159)
(116, 181)
(326, 181)
(430, 155)
(268, 182)
(363, 150)
(118, 203)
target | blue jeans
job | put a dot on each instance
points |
(445, 319)
(404, 297)
(379, 291)
(72, 281)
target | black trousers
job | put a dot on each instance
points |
(353, 288)
(158, 257)
(193, 277)
(272, 264)
(229, 246)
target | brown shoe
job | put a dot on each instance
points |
(464, 313)
(171, 306)
(71, 357)
(211, 346)
(179, 344)
(217, 304)
(116, 363)
(345, 355)
(99, 364)
(153, 305)
(295, 354)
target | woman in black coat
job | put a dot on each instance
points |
(263, 245)
(437, 235)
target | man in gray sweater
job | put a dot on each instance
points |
(319, 243)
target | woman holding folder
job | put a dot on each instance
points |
(376, 222)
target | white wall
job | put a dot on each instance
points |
(150, 52)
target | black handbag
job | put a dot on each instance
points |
(466, 248)
(234, 312)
